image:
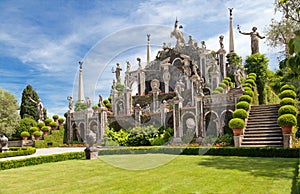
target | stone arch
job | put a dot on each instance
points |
(225, 117)
(93, 126)
(120, 107)
(211, 120)
(206, 91)
(82, 130)
(189, 127)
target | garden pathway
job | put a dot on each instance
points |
(47, 151)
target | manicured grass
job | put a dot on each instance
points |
(159, 174)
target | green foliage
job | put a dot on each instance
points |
(287, 87)
(40, 125)
(244, 85)
(287, 101)
(95, 107)
(226, 82)
(25, 134)
(33, 129)
(222, 85)
(243, 105)
(240, 113)
(45, 129)
(247, 88)
(55, 116)
(287, 120)
(8, 164)
(53, 124)
(233, 59)
(246, 98)
(9, 116)
(288, 109)
(252, 75)
(18, 151)
(258, 64)
(105, 101)
(37, 134)
(271, 97)
(250, 81)
(228, 79)
(216, 92)
(236, 123)
(108, 105)
(55, 139)
(80, 106)
(249, 93)
(48, 121)
(25, 125)
(61, 120)
(225, 140)
(287, 94)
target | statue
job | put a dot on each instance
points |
(100, 101)
(70, 98)
(4, 144)
(88, 102)
(254, 39)
(221, 38)
(186, 64)
(179, 88)
(40, 108)
(237, 77)
(191, 42)
(178, 35)
(128, 66)
(139, 62)
(118, 73)
(203, 45)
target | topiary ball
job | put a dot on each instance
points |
(225, 82)
(240, 113)
(236, 123)
(252, 77)
(250, 81)
(288, 109)
(287, 101)
(249, 93)
(287, 120)
(253, 74)
(247, 88)
(246, 98)
(243, 105)
(287, 94)
(216, 92)
(247, 85)
(228, 79)
(222, 85)
(287, 87)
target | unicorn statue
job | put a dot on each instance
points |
(178, 35)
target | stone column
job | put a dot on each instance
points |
(177, 120)
(166, 76)
(222, 63)
(127, 101)
(287, 140)
(163, 113)
(137, 114)
(237, 141)
(200, 121)
(155, 102)
(103, 123)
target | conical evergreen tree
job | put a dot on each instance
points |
(28, 107)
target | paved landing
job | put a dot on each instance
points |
(47, 151)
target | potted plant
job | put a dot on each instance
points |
(48, 121)
(61, 121)
(95, 108)
(40, 125)
(240, 113)
(286, 122)
(45, 130)
(55, 117)
(37, 135)
(243, 105)
(33, 129)
(25, 135)
(237, 125)
(53, 125)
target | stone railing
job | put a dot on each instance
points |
(220, 99)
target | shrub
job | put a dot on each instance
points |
(236, 123)
(105, 101)
(287, 120)
(288, 109)
(108, 105)
(37, 134)
(253, 74)
(25, 125)
(287, 87)
(33, 129)
(222, 85)
(228, 79)
(45, 129)
(249, 93)
(61, 120)
(246, 98)
(226, 82)
(48, 121)
(55, 116)
(240, 113)
(53, 124)
(250, 81)
(220, 89)
(247, 88)
(216, 92)
(287, 101)
(226, 139)
(247, 85)
(287, 94)
(95, 107)
(18, 151)
(25, 134)
(252, 77)
(243, 105)
(41, 124)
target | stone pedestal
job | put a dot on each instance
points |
(287, 140)
(91, 153)
(237, 141)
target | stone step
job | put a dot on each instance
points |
(268, 145)
(262, 135)
(271, 112)
(271, 138)
(265, 106)
(262, 124)
(266, 131)
(262, 117)
(262, 142)
(262, 128)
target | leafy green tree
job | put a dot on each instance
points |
(258, 64)
(28, 107)
(80, 106)
(25, 124)
(9, 116)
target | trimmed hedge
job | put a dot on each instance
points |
(250, 81)
(247, 85)
(249, 93)
(287, 87)
(243, 105)
(236, 123)
(21, 151)
(288, 109)
(216, 151)
(220, 89)
(222, 85)
(54, 140)
(246, 98)
(240, 113)
(247, 88)
(287, 94)
(287, 120)
(287, 101)
(8, 164)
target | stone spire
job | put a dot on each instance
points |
(231, 39)
(148, 49)
(80, 84)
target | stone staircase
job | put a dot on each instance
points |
(262, 129)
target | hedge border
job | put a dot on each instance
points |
(18, 151)
(215, 151)
(8, 164)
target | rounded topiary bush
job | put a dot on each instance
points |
(247, 85)
(287, 120)
(243, 105)
(216, 92)
(287, 101)
(45, 129)
(55, 116)
(240, 113)
(222, 85)
(287, 94)
(251, 77)
(37, 134)
(33, 129)
(253, 74)
(48, 121)
(53, 124)
(288, 109)
(25, 134)
(61, 120)
(220, 89)
(250, 81)
(246, 98)
(249, 93)
(247, 88)
(228, 79)
(287, 87)
(236, 123)
(225, 81)
(41, 124)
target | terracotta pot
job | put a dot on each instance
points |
(286, 129)
(24, 138)
(45, 133)
(237, 132)
(37, 137)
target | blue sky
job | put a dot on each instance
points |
(41, 42)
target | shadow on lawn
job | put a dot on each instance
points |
(268, 167)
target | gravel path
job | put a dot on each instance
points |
(47, 151)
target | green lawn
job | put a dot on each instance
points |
(159, 174)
